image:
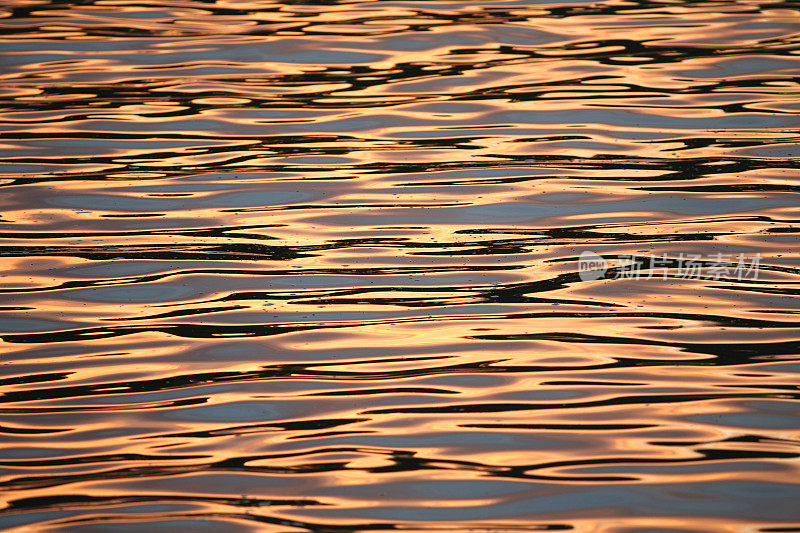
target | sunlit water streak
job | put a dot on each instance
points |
(313, 266)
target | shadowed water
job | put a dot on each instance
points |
(314, 266)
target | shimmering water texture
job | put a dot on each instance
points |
(313, 266)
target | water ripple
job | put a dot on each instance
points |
(316, 266)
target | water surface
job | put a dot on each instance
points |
(314, 266)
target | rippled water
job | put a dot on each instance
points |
(314, 266)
